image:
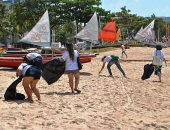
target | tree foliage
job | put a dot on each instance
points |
(68, 17)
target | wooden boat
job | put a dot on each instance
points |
(16, 61)
(46, 54)
(14, 54)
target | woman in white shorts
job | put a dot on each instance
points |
(71, 67)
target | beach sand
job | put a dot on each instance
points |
(106, 103)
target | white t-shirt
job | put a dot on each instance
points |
(123, 47)
(160, 54)
(32, 55)
(107, 59)
(24, 67)
(70, 65)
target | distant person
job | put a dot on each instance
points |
(112, 59)
(158, 58)
(123, 50)
(31, 71)
(71, 67)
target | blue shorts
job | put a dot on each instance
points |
(34, 72)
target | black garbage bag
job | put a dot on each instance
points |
(53, 70)
(148, 70)
(11, 93)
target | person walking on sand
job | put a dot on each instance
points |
(71, 67)
(31, 71)
(158, 58)
(112, 59)
(123, 50)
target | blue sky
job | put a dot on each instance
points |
(139, 7)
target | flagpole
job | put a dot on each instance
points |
(158, 31)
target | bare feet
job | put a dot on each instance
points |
(29, 100)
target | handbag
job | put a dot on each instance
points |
(79, 63)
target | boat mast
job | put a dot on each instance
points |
(158, 31)
(100, 27)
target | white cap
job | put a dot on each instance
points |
(32, 55)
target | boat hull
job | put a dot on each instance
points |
(16, 61)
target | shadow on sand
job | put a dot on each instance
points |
(60, 93)
(109, 76)
(17, 101)
(85, 73)
(8, 69)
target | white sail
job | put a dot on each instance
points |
(138, 37)
(147, 36)
(40, 33)
(90, 31)
(148, 32)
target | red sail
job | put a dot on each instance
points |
(108, 33)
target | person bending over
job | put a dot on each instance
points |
(112, 59)
(31, 72)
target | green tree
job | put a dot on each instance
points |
(4, 22)
(26, 14)
(63, 13)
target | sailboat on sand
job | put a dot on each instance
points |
(147, 36)
(89, 34)
(40, 33)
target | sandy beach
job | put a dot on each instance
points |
(106, 103)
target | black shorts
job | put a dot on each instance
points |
(34, 72)
(71, 71)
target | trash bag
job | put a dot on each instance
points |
(148, 70)
(11, 94)
(53, 70)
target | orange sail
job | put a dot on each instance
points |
(118, 35)
(108, 33)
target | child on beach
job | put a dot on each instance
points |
(123, 50)
(158, 58)
(113, 59)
